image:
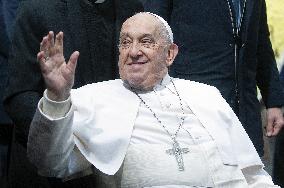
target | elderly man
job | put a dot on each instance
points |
(143, 130)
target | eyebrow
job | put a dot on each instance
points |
(149, 36)
(124, 35)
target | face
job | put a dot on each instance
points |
(144, 55)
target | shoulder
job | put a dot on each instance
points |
(107, 93)
(193, 86)
(203, 94)
(98, 88)
(39, 8)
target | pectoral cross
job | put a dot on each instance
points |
(178, 151)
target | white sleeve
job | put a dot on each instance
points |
(51, 146)
(54, 109)
(257, 177)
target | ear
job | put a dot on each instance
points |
(171, 54)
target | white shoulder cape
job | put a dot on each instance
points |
(105, 113)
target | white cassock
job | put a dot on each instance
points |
(109, 127)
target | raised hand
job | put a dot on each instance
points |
(58, 75)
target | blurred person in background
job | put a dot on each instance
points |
(7, 15)
(278, 160)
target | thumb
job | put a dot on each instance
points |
(72, 63)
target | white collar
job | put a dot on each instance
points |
(161, 85)
(164, 82)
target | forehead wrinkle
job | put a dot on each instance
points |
(129, 29)
(144, 22)
(140, 35)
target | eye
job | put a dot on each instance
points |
(125, 43)
(147, 42)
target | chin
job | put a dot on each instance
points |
(136, 83)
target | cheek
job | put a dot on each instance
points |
(122, 58)
(121, 65)
(123, 53)
(159, 63)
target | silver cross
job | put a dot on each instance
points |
(178, 151)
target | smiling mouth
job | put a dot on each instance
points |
(137, 63)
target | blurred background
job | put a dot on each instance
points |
(275, 16)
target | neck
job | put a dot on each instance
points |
(140, 87)
(145, 88)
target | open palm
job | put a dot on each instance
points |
(58, 75)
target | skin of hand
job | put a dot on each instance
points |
(58, 75)
(275, 121)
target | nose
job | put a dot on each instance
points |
(135, 50)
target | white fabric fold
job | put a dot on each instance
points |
(105, 113)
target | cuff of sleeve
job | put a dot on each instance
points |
(55, 109)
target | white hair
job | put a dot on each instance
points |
(164, 23)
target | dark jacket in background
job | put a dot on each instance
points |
(9, 11)
(5, 122)
(97, 62)
(4, 53)
(278, 159)
(203, 31)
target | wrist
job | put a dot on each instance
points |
(57, 96)
(54, 109)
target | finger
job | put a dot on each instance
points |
(40, 47)
(276, 130)
(40, 57)
(269, 127)
(51, 38)
(43, 44)
(49, 44)
(41, 60)
(59, 42)
(73, 61)
(278, 126)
